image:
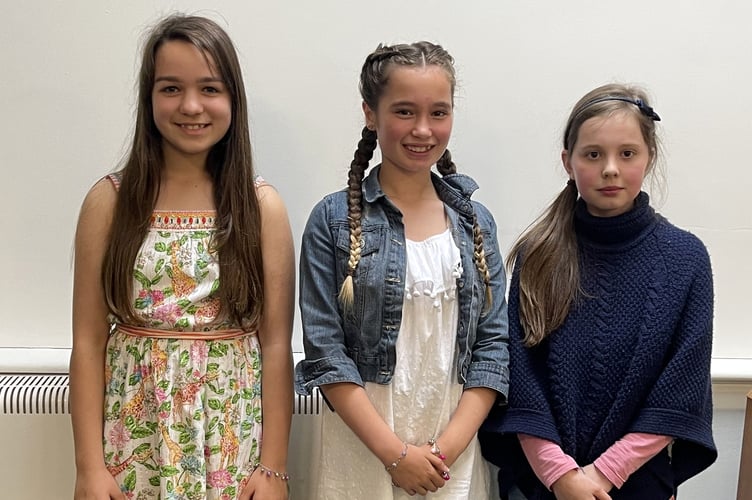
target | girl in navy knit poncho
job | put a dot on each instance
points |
(610, 311)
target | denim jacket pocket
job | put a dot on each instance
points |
(490, 246)
(370, 240)
(360, 327)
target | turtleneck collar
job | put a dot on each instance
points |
(620, 229)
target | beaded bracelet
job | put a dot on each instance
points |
(393, 465)
(434, 447)
(435, 450)
(284, 476)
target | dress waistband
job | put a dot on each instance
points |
(227, 334)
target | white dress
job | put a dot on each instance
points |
(422, 396)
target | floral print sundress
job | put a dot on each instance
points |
(182, 416)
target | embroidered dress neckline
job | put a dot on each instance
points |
(183, 219)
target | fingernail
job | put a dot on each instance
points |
(442, 456)
(445, 476)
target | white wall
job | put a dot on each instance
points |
(66, 95)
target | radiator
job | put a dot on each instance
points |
(25, 394)
(37, 444)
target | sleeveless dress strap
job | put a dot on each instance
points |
(115, 179)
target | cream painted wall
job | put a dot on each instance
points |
(66, 95)
(67, 84)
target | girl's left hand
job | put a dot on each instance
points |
(597, 476)
(446, 460)
(575, 485)
(448, 453)
(263, 487)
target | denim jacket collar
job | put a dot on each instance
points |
(453, 189)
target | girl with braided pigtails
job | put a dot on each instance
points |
(402, 299)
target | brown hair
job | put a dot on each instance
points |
(549, 274)
(238, 221)
(374, 77)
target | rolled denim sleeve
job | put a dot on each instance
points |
(326, 359)
(489, 363)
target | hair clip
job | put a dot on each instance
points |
(647, 110)
(644, 108)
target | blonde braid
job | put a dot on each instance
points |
(363, 155)
(446, 166)
(479, 256)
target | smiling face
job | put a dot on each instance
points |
(192, 107)
(608, 162)
(413, 120)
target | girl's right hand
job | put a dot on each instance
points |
(97, 485)
(419, 471)
(575, 485)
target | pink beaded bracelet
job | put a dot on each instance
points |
(393, 465)
(284, 476)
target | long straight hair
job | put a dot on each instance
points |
(549, 272)
(229, 164)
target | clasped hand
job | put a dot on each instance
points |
(582, 484)
(420, 471)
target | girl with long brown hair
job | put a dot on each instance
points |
(611, 315)
(183, 293)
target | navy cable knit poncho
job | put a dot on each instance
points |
(632, 356)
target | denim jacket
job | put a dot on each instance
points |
(359, 346)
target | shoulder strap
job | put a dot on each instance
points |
(115, 179)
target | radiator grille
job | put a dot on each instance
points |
(33, 394)
(48, 395)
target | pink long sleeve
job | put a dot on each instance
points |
(628, 454)
(617, 463)
(548, 460)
